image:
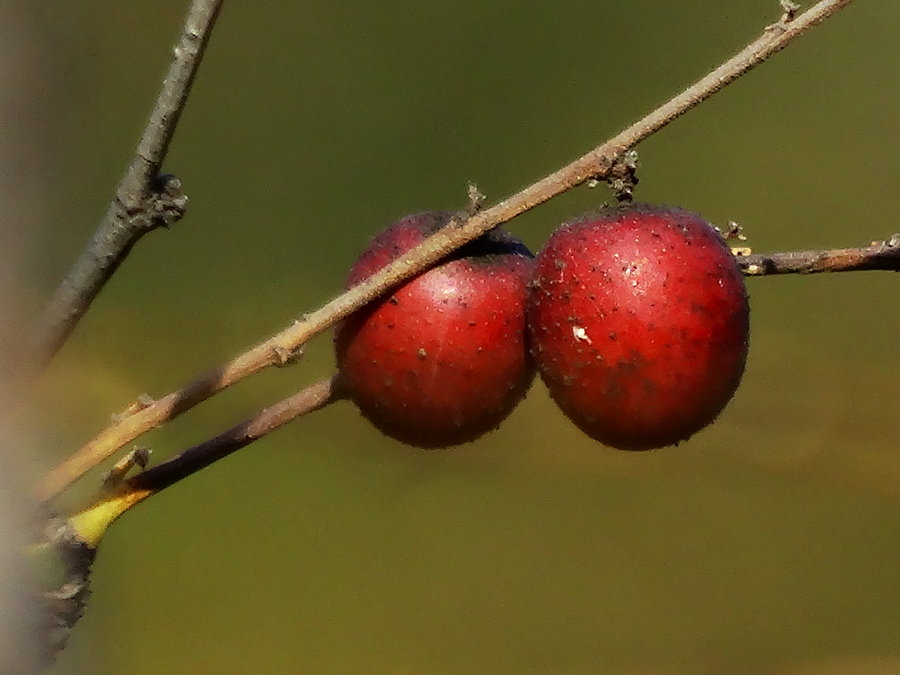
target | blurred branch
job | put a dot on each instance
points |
(881, 255)
(287, 345)
(143, 201)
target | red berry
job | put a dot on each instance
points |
(639, 324)
(444, 358)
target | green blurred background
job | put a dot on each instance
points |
(768, 543)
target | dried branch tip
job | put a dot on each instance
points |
(789, 10)
(138, 456)
(476, 199)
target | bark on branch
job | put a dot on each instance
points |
(144, 200)
(287, 345)
(881, 255)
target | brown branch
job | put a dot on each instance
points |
(882, 255)
(288, 343)
(143, 201)
(151, 481)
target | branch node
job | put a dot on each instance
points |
(605, 164)
(752, 269)
(621, 176)
(476, 199)
(142, 402)
(285, 356)
(167, 203)
(734, 232)
(789, 10)
(138, 456)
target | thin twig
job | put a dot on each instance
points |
(310, 399)
(151, 481)
(288, 343)
(883, 255)
(143, 201)
(117, 496)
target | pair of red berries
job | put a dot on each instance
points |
(635, 316)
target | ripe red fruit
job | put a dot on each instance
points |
(443, 358)
(639, 324)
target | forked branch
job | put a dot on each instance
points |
(310, 399)
(884, 255)
(283, 346)
(878, 256)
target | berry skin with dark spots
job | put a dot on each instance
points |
(639, 324)
(443, 358)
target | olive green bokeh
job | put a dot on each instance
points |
(769, 541)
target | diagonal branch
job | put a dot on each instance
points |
(143, 201)
(92, 521)
(310, 399)
(880, 255)
(287, 344)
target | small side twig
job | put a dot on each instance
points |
(143, 201)
(595, 165)
(884, 255)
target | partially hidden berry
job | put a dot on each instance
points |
(443, 358)
(639, 324)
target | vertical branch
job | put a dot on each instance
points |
(143, 201)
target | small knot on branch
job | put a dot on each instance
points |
(283, 356)
(476, 199)
(622, 176)
(789, 10)
(143, 401)
(167, 203)
(138, 457)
